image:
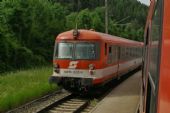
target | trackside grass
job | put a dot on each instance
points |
(23, 86)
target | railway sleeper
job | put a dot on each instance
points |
(77, 100)
(72, 104)
(64, 109)
(63, 106)
(53, 111)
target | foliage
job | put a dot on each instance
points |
(27, 32)
(85, 20)
(23, 86)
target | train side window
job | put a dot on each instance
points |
(124, 54)
(105, 48)
(114, 54)
(127, 53)
(110, 50)
(121, 53)
(130, 52)
(110, 58)
(136, 52)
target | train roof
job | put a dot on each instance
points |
(93, 35)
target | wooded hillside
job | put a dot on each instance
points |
(28, 27)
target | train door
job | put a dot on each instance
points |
(112, 58)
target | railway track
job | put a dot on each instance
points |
(69, 104)
(41, 103)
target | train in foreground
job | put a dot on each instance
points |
(155, 93)
(85, 59)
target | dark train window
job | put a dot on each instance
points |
(85, 51)
(127, 53)
(122, 55)
(110, 55)
(131, 52)
(110, 50)
(115, 54)
(65, 50)
(105, 49)
(136, 52)
(147, 41)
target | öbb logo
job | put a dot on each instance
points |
(73, 64)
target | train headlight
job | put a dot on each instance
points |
(91, 67)
(56, 68)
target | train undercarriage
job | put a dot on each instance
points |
(73, 84)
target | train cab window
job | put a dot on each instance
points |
(85, 51)
(64, 50)
(76, 51)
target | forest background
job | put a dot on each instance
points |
(28, 28)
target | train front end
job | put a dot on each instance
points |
(76, 58)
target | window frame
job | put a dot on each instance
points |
(97, 50)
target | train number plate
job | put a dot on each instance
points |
(73, 72)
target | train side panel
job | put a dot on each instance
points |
(130, 58)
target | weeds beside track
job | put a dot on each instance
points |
(23, 86)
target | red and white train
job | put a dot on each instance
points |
(155, 94)
(84, 59)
